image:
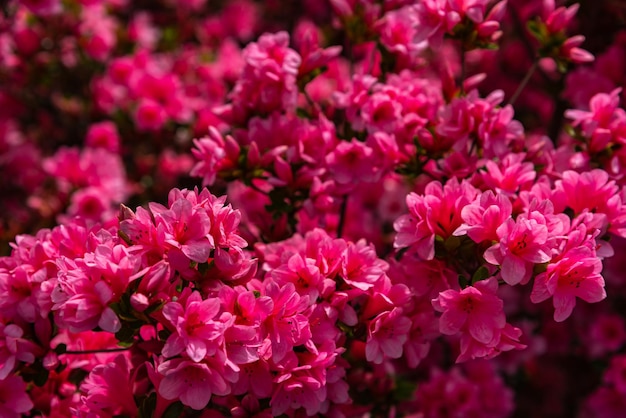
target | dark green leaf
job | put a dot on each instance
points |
(174, 410)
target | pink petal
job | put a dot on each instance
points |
(563, 306)
(540, 289)
(451, 321)
(591, 290)
(513, 270)
(109, 321)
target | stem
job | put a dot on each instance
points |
(525, 81)
(462, 81)
(102, 350)
(342, 216)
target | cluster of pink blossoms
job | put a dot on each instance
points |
(396, 186)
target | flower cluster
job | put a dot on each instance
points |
(413, 209)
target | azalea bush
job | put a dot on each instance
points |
(342, 208)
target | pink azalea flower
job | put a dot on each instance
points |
(303, 273)
(301, 381)
(437, 212)
(109, 389)
(199, 331)
(476, 310)
(254, 378)
(186, 228)
(14, 348)
(286, 326)
(103, 134)
(268, 81)
(594, 191)
(351, 163)
(82, 303)
(523, 243)
(575, 273)
(14, 401)
(386, 335)
(361, 267)
(215, 154)
(484, 217)
(193, 383)
(616, 374)
(511, 175)
(149, 115)
(607, 334)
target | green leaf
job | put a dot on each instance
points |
(463, 282)
(481, 274)
(174, 410)
(536, 28)
(452, 243)
(404, 390)
(125, 335)
(146, 410)
(41, 377)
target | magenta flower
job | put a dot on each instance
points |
(594, 191)
(83, 293)
(302, 273)
(14, 401)
(109, 389)
(476, 310)
(199, 331)
(573, 274)
(286, 326)
(187, 229)
(523, 243)
(361, 267)
(437, 212)
(15, 348)
(484, 217)
(193, 383)
(215, 154)
(386, 335)
(268, 81)
(351, 163)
